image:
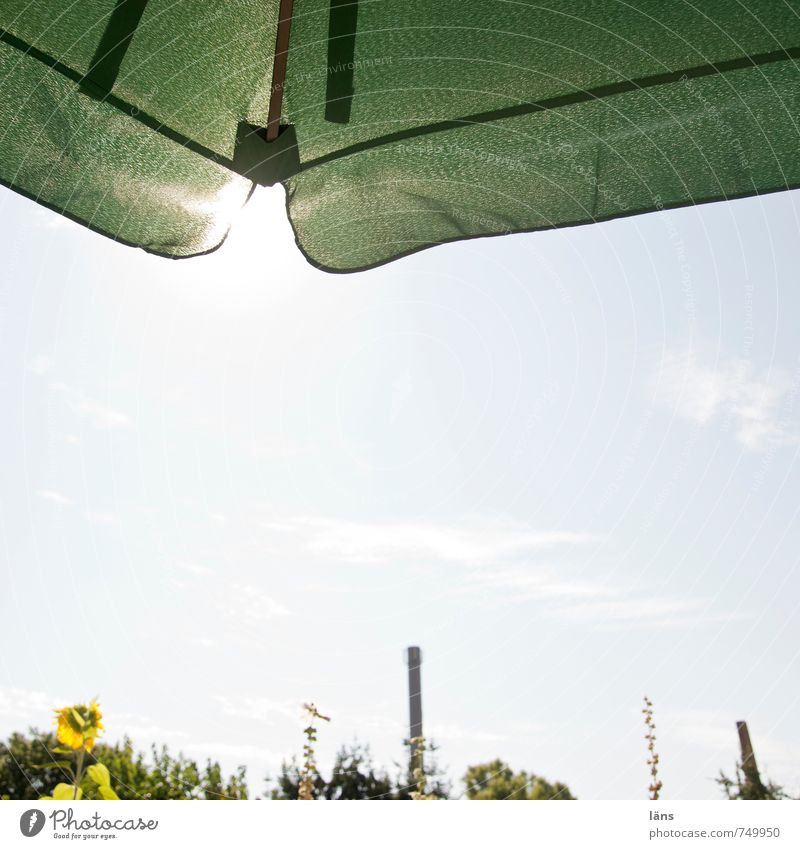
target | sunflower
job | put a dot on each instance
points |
(78, 725)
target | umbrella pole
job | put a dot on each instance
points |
(279, 69)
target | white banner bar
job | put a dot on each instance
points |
(394, 825)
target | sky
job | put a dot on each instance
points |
(565, 464)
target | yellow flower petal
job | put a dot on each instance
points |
(78, 725)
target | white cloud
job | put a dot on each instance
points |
(193, 568)
(100, 518)
(533, 582)
(31, 705)
(240, 751)
(458, 732)
(758, 405)
(705, 729)
(650, 612)
(40, 364)
(250, 605)
(142, 729)
(586, 601)
(51, 220)
(274, 446)
(501, 562)
(244, 606)
(261, 710)
(476, 541)
(54, 496)
(100, 415)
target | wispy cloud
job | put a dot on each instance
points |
(499, 561)
(271, 446)
(55, 221)
(474, 541)
(102, 518)
(760, 406)
(32, 705)
(40, 364)
(260, 710)
(245, 607)
(588, 601)
(143, 729)
(250, 605)
(54, 496)
(533, 582)
(644, 611)
(100, 415)
(240, 751)
(193, 568)
(458, 732)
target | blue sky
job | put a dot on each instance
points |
(565, 464)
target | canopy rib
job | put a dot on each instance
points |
(130, 110)
(598, 93)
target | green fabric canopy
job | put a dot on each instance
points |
(406, 123)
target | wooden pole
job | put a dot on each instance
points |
(279, 69)
(748, 755)
(749, 765)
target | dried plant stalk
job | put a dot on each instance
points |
(652, 761)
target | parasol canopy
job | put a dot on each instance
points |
(394, 125)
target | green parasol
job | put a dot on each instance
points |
(393, 124)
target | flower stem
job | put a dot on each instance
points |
(78, 773)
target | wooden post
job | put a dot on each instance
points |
(748, 755)
(279, 69)
(753, 785)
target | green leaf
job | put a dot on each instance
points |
(80, 721)
(99, 774)
(65, 792)
(63, 750)
(53, 765)
(106, 792)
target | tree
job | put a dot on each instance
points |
(353, 777)
(287, 784)
(496, 780)
(423, 778)
(748, 785)
(27, 771)
(19, 779)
